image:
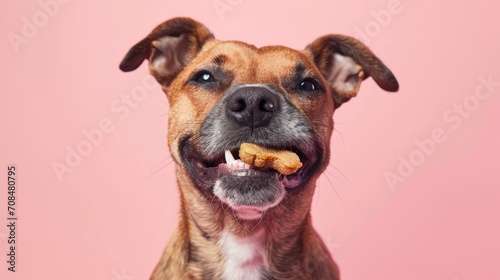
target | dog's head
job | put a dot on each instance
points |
(224, 93)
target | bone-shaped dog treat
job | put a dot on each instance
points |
(285, 162)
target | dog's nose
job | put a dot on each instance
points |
(252, 106)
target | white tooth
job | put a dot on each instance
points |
(229, 156)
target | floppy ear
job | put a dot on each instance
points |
(345, 62)
(169, 48)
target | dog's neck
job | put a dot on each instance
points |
(244, 257)
(220, 247)
(225, 255)
(211, 244)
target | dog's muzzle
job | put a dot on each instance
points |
(257, 114)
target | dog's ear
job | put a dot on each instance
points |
(345, 62)
(169, 48)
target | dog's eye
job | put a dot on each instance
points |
(309, 84)
(204, 77)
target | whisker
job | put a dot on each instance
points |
(160, 168)
(163, 115)
(258, 223)
(345, 177)
(222, 205)
(322, 125)
(212, 201)
(338, 195)
(236, 219)
(288, 210)
(227, 235)
(341, 137)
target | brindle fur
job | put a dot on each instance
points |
(293, 248)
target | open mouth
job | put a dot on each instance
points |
(249, 190)
(208, 170)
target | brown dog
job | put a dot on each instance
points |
(239, 221)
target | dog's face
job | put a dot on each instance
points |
(225, 93)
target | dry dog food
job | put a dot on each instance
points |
(285, 162)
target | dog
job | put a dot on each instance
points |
(239, 221)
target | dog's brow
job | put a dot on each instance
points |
(219, 59)
(299, 68)
(301, 71)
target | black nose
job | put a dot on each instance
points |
(252, 106)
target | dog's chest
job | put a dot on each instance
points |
(244, 257)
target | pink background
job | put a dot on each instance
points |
(111, 217)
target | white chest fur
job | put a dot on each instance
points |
(244, 257)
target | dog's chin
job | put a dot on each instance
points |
(249, 191)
